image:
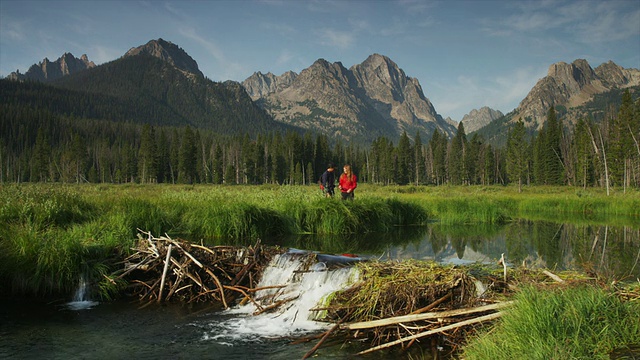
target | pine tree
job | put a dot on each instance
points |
(517, 157)
(438, 148)
(147, 156)
(583, 154)
(456, 157)
(404, 160)
(187, 158)
(217, 165)
(621, 140)
(419, 167)
(41, 157)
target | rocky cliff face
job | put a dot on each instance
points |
(259, 85)
(371, 99)
(47, 70)
(477, 119)
(571, 85)
(168, 52)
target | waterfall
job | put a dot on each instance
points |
(307, 279)
(81, 300)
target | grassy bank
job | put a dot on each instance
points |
(52, 233)
(583, 322)
(496, 204)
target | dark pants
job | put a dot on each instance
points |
(347, 196)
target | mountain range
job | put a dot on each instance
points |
(368, 100)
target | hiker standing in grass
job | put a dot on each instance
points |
(328, 181)
(348, 183)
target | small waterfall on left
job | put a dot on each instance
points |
(81, 300)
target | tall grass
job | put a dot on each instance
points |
(495, 204)
(50, 233)
(573, 323)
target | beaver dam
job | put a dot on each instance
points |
(328, 299)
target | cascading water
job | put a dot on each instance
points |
(297, 280)
(81, 299)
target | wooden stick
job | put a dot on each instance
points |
(553, 276)
(164, 273)
(434, 331)
(504, 266)
(245, 295)
(275, 305)
(432, 305)
(215, 278)
(425, 316)
(325, 336)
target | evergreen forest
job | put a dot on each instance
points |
(53, 134)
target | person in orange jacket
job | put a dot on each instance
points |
(347, 183)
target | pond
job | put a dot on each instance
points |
(612, 251)
(121, 329)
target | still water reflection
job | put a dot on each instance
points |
(612, 251)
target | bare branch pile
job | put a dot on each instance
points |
(163, 269)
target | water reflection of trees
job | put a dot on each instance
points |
(610, 250)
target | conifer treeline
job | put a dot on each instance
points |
(39, 146)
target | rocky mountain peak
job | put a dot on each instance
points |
(572, 85)
(48, 70)
(168, 52)
(260, 85)
(478, 118)
(367, 100)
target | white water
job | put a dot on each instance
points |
(81, 300)
(309, 286)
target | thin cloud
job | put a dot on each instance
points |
(230, 69)
(12, 30)
(284, 58)
(335, 38)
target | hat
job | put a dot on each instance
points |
(331, 165)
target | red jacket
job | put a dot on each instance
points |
(346, 184)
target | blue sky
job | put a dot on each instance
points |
(465, 54)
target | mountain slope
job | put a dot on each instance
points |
(159, 84)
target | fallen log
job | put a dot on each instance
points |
(425, 316)
(434, 331)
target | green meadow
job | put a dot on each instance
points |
(52, 233)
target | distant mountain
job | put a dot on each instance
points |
(159, 84)
(477, 119)
(575, 91)
(47, 70)
(368, 100)
(571, 85)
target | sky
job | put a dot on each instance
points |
(465, 54)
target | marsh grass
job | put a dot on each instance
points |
(51, 233)
(583, 322)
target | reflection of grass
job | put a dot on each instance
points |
(573, 323)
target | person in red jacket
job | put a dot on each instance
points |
(347, 183)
